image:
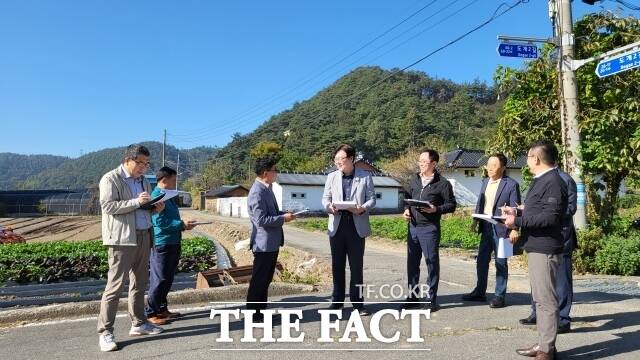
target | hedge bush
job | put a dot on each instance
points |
(73, 260)
(455, 230)
(619, 255)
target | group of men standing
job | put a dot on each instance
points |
(542, 225)
(143, 242)
(135, 232)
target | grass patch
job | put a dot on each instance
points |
(455, 230)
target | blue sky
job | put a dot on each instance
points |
(79, 76)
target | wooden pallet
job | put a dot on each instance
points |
(231, 276)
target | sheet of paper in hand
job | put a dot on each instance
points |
(419, 203)
(344, 205)
(489, 218)
(149, 205)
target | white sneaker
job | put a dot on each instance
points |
(107, 342)
(145, 329)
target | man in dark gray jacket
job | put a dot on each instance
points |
(266, 234)
(497, 190)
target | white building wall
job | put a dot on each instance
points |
(312, 199)
(388, 198)
(233, 206)
(474, 183)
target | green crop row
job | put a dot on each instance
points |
(66, 260)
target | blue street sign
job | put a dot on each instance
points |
(518, 50)
(619, 63)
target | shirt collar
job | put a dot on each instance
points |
(125, 172)
(263, 183)
(494, 181)
(544, 172)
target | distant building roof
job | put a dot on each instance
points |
(223, 190)
(359, 163)
(470, 158)
(285, 178)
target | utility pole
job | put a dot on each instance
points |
(569, 106)
(164, 145)
(177, 170)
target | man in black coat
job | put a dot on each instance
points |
(540, 223)
(424, 227)
(564, 284)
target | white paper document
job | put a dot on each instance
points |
(169, 194)
(301, 212)
(202, 222)
(505, 248)
(344, 205)
(418, 203)
(488, 218)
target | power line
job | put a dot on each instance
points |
(362, 47)
(222, 130)
(496, 14)
(628, 5)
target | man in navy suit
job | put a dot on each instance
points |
(497, 190)
(266, 234)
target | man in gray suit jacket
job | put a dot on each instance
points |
(348, 227)
(497, 190)
(266, 234)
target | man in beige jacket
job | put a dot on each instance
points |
(127, 232)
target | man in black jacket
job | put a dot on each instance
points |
(424, 226)
(564, 284)
(540, 222)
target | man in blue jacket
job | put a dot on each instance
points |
(165, 254)
(266, 234)
(497, 190)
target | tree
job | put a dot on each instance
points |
(265, 148)
(609, 120)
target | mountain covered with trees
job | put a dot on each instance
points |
(381, 115)
(16, 167)
(86, 171)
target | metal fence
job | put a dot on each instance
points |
(48, 202)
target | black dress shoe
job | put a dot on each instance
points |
(565, 328)
(410, 303)
(336, 306)
(362, 311)
(432, 306)
(474, 296)
(531, 320)
(530, 351)
(497, 302)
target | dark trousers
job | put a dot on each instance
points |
(347, 244)
(163, 263)
(264, 265)
(564, 289)
(423, 240)
(488, 244)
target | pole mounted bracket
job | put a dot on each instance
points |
(576, 64)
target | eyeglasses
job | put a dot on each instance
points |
(142, 163)
(339, 159)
